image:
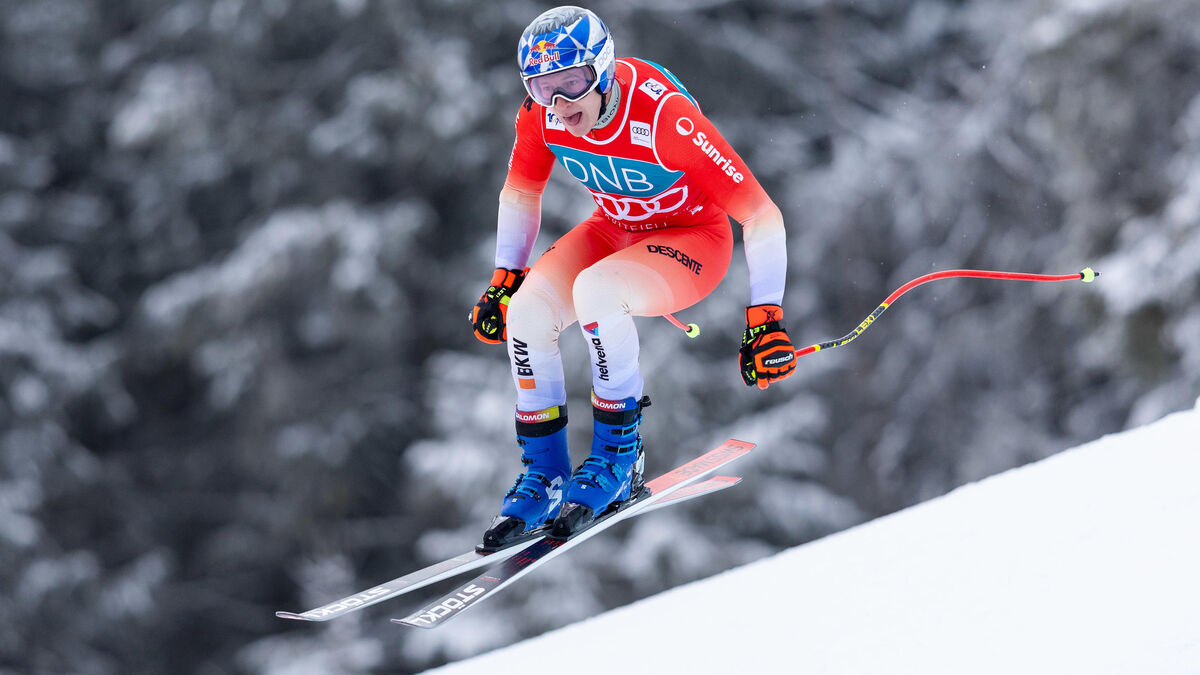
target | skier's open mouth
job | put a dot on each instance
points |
(574, 119)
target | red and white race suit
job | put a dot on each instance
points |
(665, 182)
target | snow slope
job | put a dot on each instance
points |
(1086, 562)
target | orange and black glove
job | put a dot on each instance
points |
(767, 354)
(491, 312)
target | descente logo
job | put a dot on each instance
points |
(671, 252)
(685, 127)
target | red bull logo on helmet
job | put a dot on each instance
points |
(543, 53)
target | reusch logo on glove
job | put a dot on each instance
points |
(780, 360)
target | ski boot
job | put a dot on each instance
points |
(611, 477)
(533, 501)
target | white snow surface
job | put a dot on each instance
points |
(1086, 562)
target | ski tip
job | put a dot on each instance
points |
(293, 616)
(1088, 275)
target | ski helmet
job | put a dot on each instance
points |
(568, 37)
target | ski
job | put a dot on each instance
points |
(522, 562)
(469, 561)
(704, 487)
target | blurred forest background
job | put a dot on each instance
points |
(239, 240)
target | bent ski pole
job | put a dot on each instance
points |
(1087, 275)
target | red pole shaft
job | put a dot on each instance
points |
(1087, 275)
(977, 274)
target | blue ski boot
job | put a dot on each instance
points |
(612, 476)
(534, 499)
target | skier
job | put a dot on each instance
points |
(665, 182)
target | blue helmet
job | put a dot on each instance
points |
(565, 37)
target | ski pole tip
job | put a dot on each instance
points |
(1088, 275)
(691, 330)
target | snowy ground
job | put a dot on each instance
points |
(1087, 562)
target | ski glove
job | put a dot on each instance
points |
(767, 354)
(491, 312)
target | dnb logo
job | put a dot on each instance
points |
(628, 190)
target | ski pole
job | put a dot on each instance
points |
(1087, 275)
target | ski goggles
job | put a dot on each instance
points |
(571, 84)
